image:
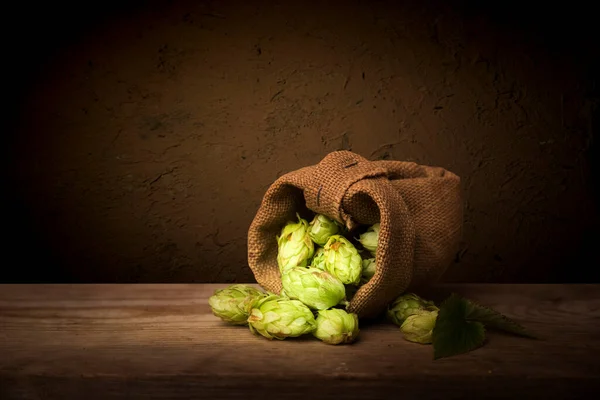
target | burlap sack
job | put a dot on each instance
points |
(419, 209)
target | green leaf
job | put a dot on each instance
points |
(453, 333)
(492, 319)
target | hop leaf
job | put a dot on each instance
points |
(461, 326)
(492, 319)
(453, 334)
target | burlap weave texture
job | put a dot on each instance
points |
(419, 208)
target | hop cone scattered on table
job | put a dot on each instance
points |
(295, 247)
(322, 266)
(406, 305)
(316, 288)
(418, 328)
(233, 303)
(321, 269)
(342, 260)
(276, 317)
(336, 326)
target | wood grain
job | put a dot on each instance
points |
(162, 342)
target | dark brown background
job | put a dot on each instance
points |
(141, 139)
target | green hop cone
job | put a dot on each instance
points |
(336, 326)
(406, 305)
(317, 289)
(321, 228)
(318, 260)
(295, 246)
(342, 260)
(368, 269)
(233, 303)
(277, 317)
(370, 238)
(418, 328)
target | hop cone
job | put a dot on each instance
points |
(233, 303)
(277, 317)
(406, 305)
(295, 247)
(342, 260)
(318, 260)
(368, 269)
(317, 289)
(336, 326)
(419, 327)
(321, 228)
(370, 238)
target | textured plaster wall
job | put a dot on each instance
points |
(145, 141)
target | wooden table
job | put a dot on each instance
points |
(162, 342)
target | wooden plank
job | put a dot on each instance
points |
(162, 342)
